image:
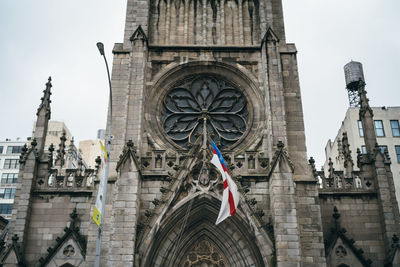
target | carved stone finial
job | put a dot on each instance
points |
(395, 239)
(312, 164)
(280, 145)
(63, 138)
(364, 101)
(128, 151)
(130, 145)
(386, 154)
(23, 151)
(98, 161)
(34, 142)
(45, 104)
(331, 170)
(336, 214)
(15, 238)
(51, 148)
(61, 150)
(348, 160)
(377, 147)
(73, 215)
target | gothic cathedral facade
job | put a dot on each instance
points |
(187, 72)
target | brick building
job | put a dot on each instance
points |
(187, 71)
(10, 151)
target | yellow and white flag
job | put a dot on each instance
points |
(102, 188)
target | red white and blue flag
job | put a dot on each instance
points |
(230, 196)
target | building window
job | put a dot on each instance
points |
(360, 129)
(6, 208)
(14, 149)
(7, 193)
(364, 149)
(54, 133)
(380, 132)
(383, 149)
(11, 164)
(9, 178)
(395, 128)
(397, 153)
(1, 149)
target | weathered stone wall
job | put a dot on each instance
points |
(361, 217)
(310, 224)
(205, 22)
(150, 191)
(49, 217)
(120, 83)
(294, 114)
(284, 215)
(260, 192)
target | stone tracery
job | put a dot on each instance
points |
(188, 104)
(203, 254)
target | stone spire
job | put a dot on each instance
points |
(45, 104)
(43, 117)
(348, 160)
(60, 158)
(367, 118)
(70, 154)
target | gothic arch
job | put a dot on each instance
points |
(236, 74)
(233, 240)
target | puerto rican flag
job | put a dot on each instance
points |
(230, 197)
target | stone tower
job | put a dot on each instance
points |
(190, 71)
(222, 67)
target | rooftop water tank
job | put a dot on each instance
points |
(353, 72)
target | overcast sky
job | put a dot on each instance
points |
(58, 38)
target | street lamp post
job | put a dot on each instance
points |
(100, 46)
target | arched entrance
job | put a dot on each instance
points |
(202, 243)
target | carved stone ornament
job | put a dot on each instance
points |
(209, 98)
(340, 251)
(203, 254)
(69, 251)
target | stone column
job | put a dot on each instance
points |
(274, 87)
(310, 224)
(373, 166)
(126, 205)
(389, 209)
(294, 114)
(284, 213)
(129, 78)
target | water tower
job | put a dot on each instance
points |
(353, 73)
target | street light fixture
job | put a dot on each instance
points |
(100, 46)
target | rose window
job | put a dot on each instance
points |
(204, 102)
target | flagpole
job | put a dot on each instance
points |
(100, 46)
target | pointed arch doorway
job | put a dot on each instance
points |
(231, 243)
